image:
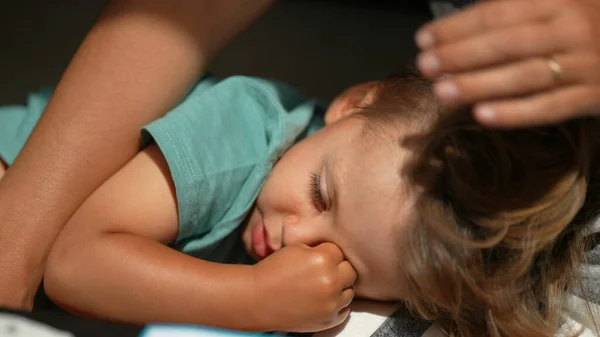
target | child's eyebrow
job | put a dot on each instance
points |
(332, 177)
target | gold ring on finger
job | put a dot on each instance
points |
(555, 68)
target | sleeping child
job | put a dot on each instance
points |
(250, 207)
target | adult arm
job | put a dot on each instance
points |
(139, 59)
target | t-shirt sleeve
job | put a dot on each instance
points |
(220, 144)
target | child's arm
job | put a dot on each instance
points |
(110, 261)
(139, 59)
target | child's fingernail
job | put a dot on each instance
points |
(446, 91)
(429, 63)
(485, 113)
(424, 39)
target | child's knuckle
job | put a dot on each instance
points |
(320, 259)
(328, 283)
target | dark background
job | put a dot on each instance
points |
(319, 46)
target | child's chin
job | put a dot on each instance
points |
(252, 254)
(247, 241)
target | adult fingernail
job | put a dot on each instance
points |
(429, 64)
(485, 113)
(424, 39)
(446, 91)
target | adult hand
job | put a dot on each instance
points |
(305, 289)
(521, 62)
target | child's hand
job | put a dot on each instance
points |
(304, 288)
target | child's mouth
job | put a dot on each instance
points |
(259, 240)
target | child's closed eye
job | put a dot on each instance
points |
(316, 194)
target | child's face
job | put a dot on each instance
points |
(338, 186)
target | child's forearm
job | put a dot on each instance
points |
(138, 280)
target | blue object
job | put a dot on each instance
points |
(169, 330)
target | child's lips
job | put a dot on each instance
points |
(260, 239)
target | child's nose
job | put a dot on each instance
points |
(308, 232)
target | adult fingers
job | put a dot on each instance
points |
(484, 17)
(518, 78)
(573, 30)
(545, 108)
(496, 47)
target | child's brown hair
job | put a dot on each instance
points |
(499, 235)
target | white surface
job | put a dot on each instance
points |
(17, 326)
(366, 317)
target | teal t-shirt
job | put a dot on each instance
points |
(220, 143)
